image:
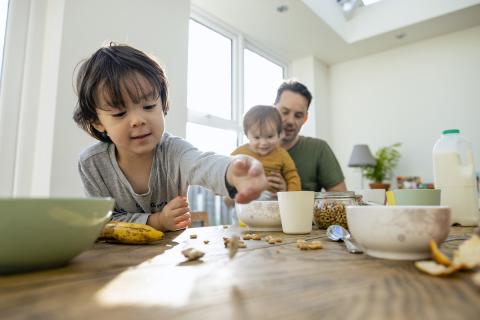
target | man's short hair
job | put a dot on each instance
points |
(294, 86)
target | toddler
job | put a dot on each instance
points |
(263, 126)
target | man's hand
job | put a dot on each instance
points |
(276, 183)
(174, 216)
(247, 176)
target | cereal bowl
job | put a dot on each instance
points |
(398, 232)
(40, 233)
(260, 215)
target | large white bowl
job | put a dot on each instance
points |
(260, 215)
(398, 232)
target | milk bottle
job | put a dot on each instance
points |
(454, 174)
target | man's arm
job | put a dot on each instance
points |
(341, 187)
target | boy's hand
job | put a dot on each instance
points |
(174, 216)
(247, 176)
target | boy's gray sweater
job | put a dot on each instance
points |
(176, 165)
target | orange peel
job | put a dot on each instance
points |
(466, 257)
(438, 255)
(436, 269)
(468, 253)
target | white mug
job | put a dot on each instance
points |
(296, 211)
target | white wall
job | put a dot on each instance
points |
(314, 74)
(72, 31)
(409, 95)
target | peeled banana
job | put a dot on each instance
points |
(130, 233)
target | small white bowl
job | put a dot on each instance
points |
(260, 215)
(398, 232)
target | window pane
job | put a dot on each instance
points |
(3, 27)
(262, 78)
(211, 139)
(209, 71)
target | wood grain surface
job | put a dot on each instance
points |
(263, 281)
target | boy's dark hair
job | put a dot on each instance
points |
(108, 69)
(294, 86)
(262, 115)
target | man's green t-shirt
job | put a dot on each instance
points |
(316, 164)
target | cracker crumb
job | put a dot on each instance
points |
(304, 245)
(233, 246)
(192, 254)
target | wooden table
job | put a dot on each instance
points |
(263, 281)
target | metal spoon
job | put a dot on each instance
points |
(336, 232)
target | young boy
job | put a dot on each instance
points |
(122, 101)
(263, 126)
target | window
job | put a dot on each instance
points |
(209, 71)
(261, 80)
(211, 138)
(217, 97)
(209, 94)
(8, 124)
(3, 28)
(227, 75)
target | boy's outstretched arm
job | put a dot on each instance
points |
(247, 176)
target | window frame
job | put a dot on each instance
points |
(239, 43)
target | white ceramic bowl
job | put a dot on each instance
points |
(398, 232)
(260, 215)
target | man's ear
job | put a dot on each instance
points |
(305, 118)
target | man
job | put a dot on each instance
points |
(316, 163)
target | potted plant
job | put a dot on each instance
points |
(387, 159)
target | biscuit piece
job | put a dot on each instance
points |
(476, 278)
(233, 245)
(192, 254)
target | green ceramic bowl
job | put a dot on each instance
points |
(39, 233)
(414, 197)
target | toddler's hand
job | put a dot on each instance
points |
(247, 176)
(174, 216)
(276, 182)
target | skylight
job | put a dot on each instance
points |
(369, 2)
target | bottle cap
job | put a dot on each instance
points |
(450, 131)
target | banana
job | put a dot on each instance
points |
(130, 233)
